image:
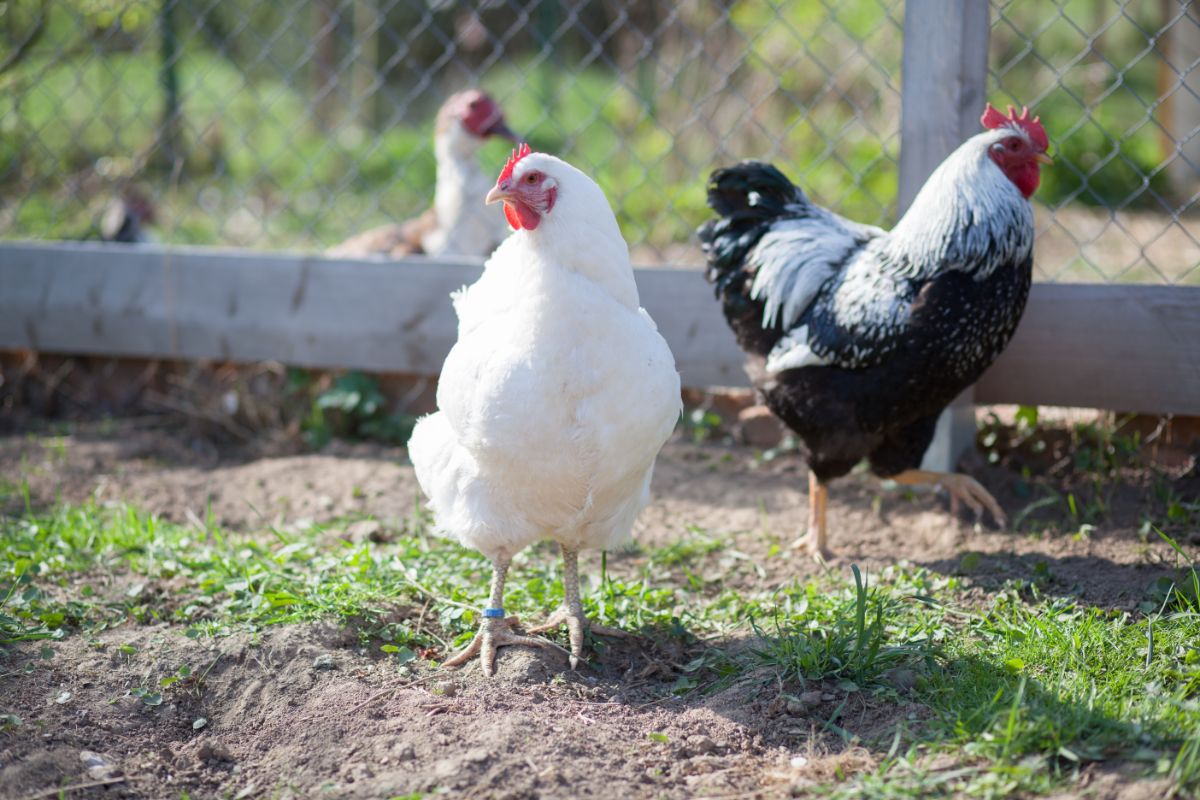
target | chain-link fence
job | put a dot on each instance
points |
(295, 125)
(1118, 86)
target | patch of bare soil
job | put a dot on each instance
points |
(302, 711)
(305, 711)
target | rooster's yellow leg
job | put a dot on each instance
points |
(571, 612)
(961, 487)
(815, 540)
(496, 631)
(818, 524)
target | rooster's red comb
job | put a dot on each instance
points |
(516, 156)
(993, 119)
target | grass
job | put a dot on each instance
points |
(1021, 691)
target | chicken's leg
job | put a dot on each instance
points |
(496, 629)
(571, 612)
(961, 487)
(814, 540)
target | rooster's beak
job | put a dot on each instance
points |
(1042, 158)
(499, 192)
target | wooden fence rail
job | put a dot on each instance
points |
(1125, 347)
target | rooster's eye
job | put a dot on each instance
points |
(531, 178)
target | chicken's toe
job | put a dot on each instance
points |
(971, 492)
(576, 625)
(494, 633)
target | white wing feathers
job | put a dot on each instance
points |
(795, 259)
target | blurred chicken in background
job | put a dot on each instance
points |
(458, 223)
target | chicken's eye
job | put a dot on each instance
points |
(1013, 144)
(531, 177)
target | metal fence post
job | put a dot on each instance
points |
(943, 88)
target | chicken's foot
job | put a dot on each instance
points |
(496, 631)
(571, 612)
(961, 488)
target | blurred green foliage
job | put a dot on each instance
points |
(275, 159)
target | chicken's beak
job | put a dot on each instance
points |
(499, 192)
(500, 128)
(1042, 158)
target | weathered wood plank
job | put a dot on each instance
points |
(183, 303)
(943, 88)
(299, 309)
(1124, 347)
(1121, 347)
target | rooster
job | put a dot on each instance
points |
(555, 400)
(858, 338)
(457, 224)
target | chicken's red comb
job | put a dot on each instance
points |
(993, 119)
(516, 156)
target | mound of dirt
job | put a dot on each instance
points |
(302, 711)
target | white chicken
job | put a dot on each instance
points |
(555, 400)
(457, 224)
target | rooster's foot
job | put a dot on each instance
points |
(961, 488)
(968, 491)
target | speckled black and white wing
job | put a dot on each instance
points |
(774, 248)
(968, 220)
(855, 321)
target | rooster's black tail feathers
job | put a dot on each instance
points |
(749, 197)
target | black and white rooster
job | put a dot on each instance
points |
(856, 337)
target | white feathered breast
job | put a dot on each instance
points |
(553, 405)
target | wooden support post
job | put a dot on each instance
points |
(1180, 84)
(943, 89)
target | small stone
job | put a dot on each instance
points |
(404, 751)
(213, 752)
(812, 699)
(798, 762)
(98, 767)
(827, 697)
(476, 755)
(445, 688)
(700, 745)
(324, 662)
(758, 427)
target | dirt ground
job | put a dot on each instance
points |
(303, 711)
